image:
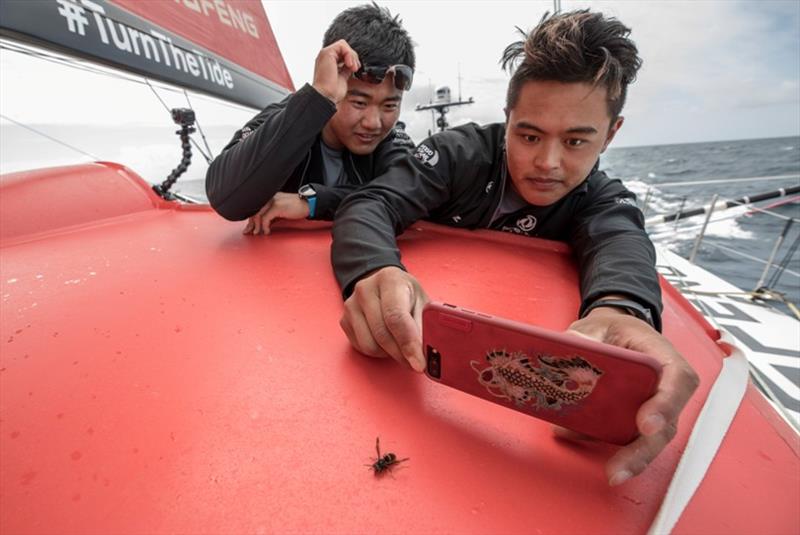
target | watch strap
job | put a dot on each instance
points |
(632, 307)
(307, 193)
(312, 206)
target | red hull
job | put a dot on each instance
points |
(160, 372)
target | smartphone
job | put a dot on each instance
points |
(587, 386)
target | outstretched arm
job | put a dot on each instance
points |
(383, 304)
(260, 159)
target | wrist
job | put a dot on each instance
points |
(606, 311)
(619, 304)
(322, 90)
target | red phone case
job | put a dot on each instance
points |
(583, 385)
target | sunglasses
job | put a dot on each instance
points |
(374, 74)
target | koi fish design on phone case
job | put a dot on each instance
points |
(549, 383)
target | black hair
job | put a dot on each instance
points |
(575, 47)
(376, 36)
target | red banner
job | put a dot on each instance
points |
(235, 29)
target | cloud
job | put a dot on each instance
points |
(712, 69)
(703, 61)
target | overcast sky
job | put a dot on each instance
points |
(713, 70)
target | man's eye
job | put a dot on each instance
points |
(528, 138)
(390, 107)
(575, 142)
(358, 104)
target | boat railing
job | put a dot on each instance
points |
(773, 270)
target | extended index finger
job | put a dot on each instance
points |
(397, 305)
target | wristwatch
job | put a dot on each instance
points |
(631, 307)
(308, 194)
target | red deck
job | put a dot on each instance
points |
(160, 372)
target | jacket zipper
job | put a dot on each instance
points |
(503, 177)
(355, 169)
(305, 169)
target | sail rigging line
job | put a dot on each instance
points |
(169, 110)
(769, 212)
(51, 138)
(200, 129)
(689, 228)
(783, 266)
(747, 256)
(724, 205)
(750, 212)
(725, 181)
(66, 61)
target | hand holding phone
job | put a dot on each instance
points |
(587, 386)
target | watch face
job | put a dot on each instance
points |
(306, 191)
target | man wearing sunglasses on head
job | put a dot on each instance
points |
(299, 158)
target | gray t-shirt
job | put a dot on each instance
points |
(510, 203)
(334, 167)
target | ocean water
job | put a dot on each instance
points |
(648, 171)
(655, 169)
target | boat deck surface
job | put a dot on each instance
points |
(161, 372)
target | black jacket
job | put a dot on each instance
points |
(279, 150)
(457, 177)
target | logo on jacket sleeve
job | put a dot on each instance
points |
(426, 155)
(402, 139)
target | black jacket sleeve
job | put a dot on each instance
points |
(329, 198)
(368, 221)
(614, 253)
(262, 156)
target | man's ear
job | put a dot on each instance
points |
(612, 131)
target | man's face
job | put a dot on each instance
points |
(554, 135)
(364, 117)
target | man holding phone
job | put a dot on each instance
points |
(535, 175)
(299, 158)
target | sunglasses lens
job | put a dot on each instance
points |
(403, 76)
(371, 74)
(374, 74)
